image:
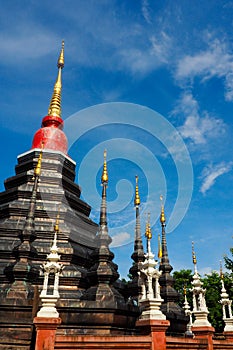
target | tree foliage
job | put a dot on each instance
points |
(183, 278)
(212, 284)
(229, 261)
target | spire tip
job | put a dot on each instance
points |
(137, 200)
(194, 255)
(55, 103)
(162, 215)
(160, 252)
(104, 177)
(148, 233)
(61, 62)
(221, 272)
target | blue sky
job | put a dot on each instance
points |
(151, 81)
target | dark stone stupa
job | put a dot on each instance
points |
(138, 256)
(42, 185)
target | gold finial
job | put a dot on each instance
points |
(160, 252)
(185, 290)
(54, 248)
(61, 62)
(148, 233)
(137, 197)
(104, 177)
(162, 215)
(55, 103)
(221, 272)
(193, 254)
(56, 226)
(37, 169)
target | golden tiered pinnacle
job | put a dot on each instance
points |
(194, 255)
(221, 272)
(54, 248)
(160, 252)
(56, 226)
(137, 197)
(55, 104)
(37, 169)
(162, 215)
(61, 62)
(148, 233)
(104, 177)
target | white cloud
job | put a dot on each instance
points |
(113, 42)
(120, 239)
(229, 87)
(146, 11)
(144, 56)
(205, 271)
(216, 61)
(211, 173)
(18, 49)
(198, 127)
(161, 46)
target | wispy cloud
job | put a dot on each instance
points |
(211, 173)
(206, 270)
(120, 239)
(146, 11)
(215, 61)
(28, 45)
(198, 126)
(114, 42)
(144, 56)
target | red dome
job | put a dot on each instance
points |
(52, 137)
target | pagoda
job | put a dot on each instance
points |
(43, 184)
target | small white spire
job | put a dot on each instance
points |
(49, 294)
(150, 299)
(200, 310)
(226, 305)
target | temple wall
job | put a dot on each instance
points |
(136, 342)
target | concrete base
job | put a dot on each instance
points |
(201, 319)
(151, 309)
(48, 308)
(228, 325)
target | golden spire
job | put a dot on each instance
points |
(185, 290)
(148, 233)
(162, 215)
(54, 248)
(104, 177)
(55, 103)
(37, 169)
(193, 254)
(56, 226)
(160, 252)
(137, 197)
(221, 273)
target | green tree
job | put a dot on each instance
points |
(229, 261)
(212, 284)
(183, 278)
